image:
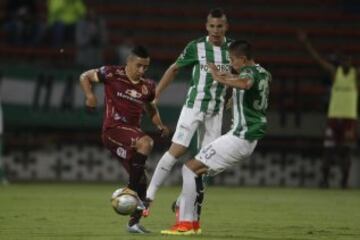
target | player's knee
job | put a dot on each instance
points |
(196, 166)
(145, 144)
(177, 150)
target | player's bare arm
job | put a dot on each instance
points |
(86, 80)
(229, 79)
(327, 66)
(154, 115)
(166, 79)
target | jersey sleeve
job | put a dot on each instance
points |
(104, 73)
(188, 56)
(247, 74)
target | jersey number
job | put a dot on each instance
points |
(262, 104)
(209, 152)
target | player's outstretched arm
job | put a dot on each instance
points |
(166, 79)
(327, 66)
(154, 114)
(86, 80)
(229, 79)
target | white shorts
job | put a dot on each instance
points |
(224, 152)
(208, 127)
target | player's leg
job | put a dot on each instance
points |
(214, 158)
(329, 155)
(349, 142)
(210, 131)
(185, 129)
(132, 155)
(191, 171)
(163, 168)
(138, 179)
(200, 132)
(329, 152)
(345, 164)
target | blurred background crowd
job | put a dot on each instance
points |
(44, 45)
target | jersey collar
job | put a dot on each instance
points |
(207, 40)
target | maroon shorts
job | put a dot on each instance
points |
(340, 132)
(121, 142)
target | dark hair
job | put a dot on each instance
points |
(140, 51)
(241, 48)
(216, 12)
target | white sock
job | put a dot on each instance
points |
(188, 195)
(162, 170)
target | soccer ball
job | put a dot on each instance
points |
(123, 203)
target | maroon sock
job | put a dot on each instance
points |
(137, 172)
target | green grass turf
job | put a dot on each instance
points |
(82, 211)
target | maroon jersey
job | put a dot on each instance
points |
(124, 100)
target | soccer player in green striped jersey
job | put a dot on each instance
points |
(250, 101)
(203, 109)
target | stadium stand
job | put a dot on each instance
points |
(270, 25)
(299, 90)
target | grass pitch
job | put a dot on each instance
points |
(83, 211)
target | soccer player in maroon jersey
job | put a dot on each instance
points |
(127, 95)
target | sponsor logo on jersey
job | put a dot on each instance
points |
(129, 97)
(133, 93)
(220, 67)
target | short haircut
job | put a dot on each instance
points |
(216, 13)
(140, 51)
(241, 48)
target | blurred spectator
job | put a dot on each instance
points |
(125, 47)
(68, 97)
(340, 133)
(91, 36)
(62, 18)
(22, 23)
(43, 91)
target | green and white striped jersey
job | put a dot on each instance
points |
(204, 93)
(249, 106)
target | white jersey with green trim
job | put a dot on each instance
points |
(249, 106)
(204, 93)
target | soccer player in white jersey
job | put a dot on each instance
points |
(250, 100)
(203, 108)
